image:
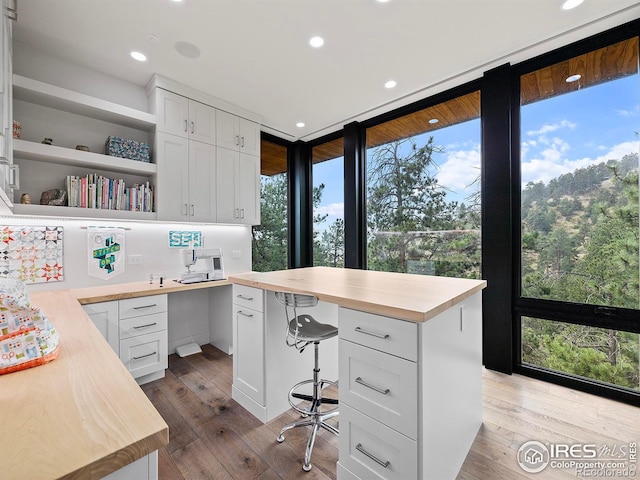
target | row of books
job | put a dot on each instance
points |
(96, 191)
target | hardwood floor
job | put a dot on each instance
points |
(212, 437)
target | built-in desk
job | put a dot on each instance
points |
(408, 359)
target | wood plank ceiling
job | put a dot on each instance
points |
(598, 66)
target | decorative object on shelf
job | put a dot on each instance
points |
(106, 254)
(121, 147)
(47, 141)
(60, 200)
(55, 194)
(25, 198)
(82, 148)
(17, 129)
(32, 254)
(27, 338)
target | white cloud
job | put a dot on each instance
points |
(551, 128)
(335, 209)
(629, 113)
(552, 163)
(460, 169)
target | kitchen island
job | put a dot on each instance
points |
(408, 359)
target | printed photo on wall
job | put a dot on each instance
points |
(32, 254)
(105, 248)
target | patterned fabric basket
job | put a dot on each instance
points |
(27, 338)
(121, 147)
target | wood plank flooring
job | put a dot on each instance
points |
(212, 437)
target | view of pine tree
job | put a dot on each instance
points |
(413, 228)
(269, 245)
(328, 249)
(580, 244)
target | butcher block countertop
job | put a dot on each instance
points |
(119, 291)
(81, 416)
(410, 297)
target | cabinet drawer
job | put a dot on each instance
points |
(389, 335)
(134, 307)
(130, 327)
(248, 297)
(382, 386)
(145, 354)
(371, 450)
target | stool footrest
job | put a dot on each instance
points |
(310, 398)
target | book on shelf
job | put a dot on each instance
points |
(99, 192)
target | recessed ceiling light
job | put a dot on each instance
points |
(382, 1)
(316, 42)
(390, 84)
(187, 49)
(573, 78)
(569, 4)
(433, 120)
(300, 124)
(177, 1)
(141, 57)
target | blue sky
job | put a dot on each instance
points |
(558, 136)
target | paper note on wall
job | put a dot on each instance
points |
(105, 248)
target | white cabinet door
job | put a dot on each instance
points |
(249, 137)
(202, 122)
(227, 130)
(248, 341)
(249, 189)
(172, 113)
(227, 170)
(105, 316)
(172, 156)
(202, 182)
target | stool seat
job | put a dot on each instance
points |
(303, 329)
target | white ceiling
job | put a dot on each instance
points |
(255, 53)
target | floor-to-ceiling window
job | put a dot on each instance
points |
(423, 191)
(579, 245)
(328, 203)
(269, 245)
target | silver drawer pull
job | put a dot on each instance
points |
(243, 297)
(248, 315)
(145, 306)
(147, 325)
(372, 387)
(373, 334)
(361, 449)
(143, 356)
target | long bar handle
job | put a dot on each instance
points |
(373, 334)
(145, 306)
(145, 326)
(372, 387)
(243, 297)
(248, 315)
(143, 356)
(361, 449)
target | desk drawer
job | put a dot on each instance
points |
(134, 307)
(389, 335)
(248, 297)
(366, 446)
(381, 386)
(130, 327)
(145, 354)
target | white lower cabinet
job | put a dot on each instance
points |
(248, 344)
(136, 329)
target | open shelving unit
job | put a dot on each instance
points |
(43, 162)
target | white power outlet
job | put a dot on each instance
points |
(134, 259)
(235, 254)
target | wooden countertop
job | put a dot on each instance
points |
(81, 416)
(106, 293)
(409, 297)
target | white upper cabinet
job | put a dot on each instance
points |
(184, 117)
(237, 133)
